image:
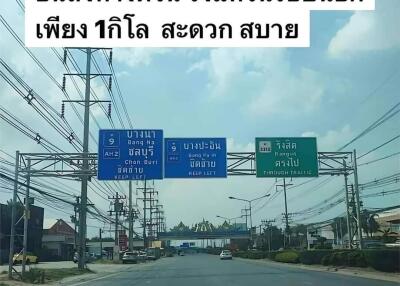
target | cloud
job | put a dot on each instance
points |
(263, 79)
(332, 139)
(369, 31)
(232, 146)
(135, 57)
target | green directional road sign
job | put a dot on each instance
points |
(286, 157)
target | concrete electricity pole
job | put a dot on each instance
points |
(13, 217)
(130, 218)
(286, 212)
(85, 151)
(357, 191)
(84, 184)
(349, 230)
(26, 219)
(144, 214)
(101, 243)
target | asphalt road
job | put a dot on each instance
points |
(208, 270)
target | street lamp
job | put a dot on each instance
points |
(250, 201)
(229, 219)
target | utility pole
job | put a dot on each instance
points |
(76, 208)
(245, 210)
(360, 242)
(286, 212)
(144, 214)
(101, 243)
(349, 230)
(268, 226)
(118, 209)
(340, 231)
(130, 218)
(13, 217)
(84, 184)
(85, 151)
(26, 218)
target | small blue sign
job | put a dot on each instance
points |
(195, 158)
(130, 155)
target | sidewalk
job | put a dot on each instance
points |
(100, 271)
(350, 271)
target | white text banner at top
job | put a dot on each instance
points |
(337, 5)
(177, 23)
(150, 27)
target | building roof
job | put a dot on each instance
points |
(60, 227)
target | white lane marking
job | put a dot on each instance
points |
(95, 279)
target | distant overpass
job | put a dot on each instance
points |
(192, 235)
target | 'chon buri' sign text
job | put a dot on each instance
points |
(175, 23)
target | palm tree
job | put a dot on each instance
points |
(373, 225)
(369, 223)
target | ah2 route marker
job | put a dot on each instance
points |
(281, 157)
(130, 154)
(195, 158)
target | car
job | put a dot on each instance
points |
(181, 253)
(142, 257)
(130, 257)
(225, 254)
(30, 258)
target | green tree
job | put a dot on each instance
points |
(273, 235)
(368, 223)
(339, 227)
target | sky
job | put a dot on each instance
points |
(346, 80)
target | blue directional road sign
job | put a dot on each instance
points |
(130, 155)
(195, 158)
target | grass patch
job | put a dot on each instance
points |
(38, 276)
(58, 274)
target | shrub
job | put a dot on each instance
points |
(383, 259)
(313, 256)
(271, 255)
(326, 259)
(356, 258)
(255, 255)
(214, 251)
(287, 257)
(33, 276)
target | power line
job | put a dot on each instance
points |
(385, 117)
(380, 146)
(380, 159)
